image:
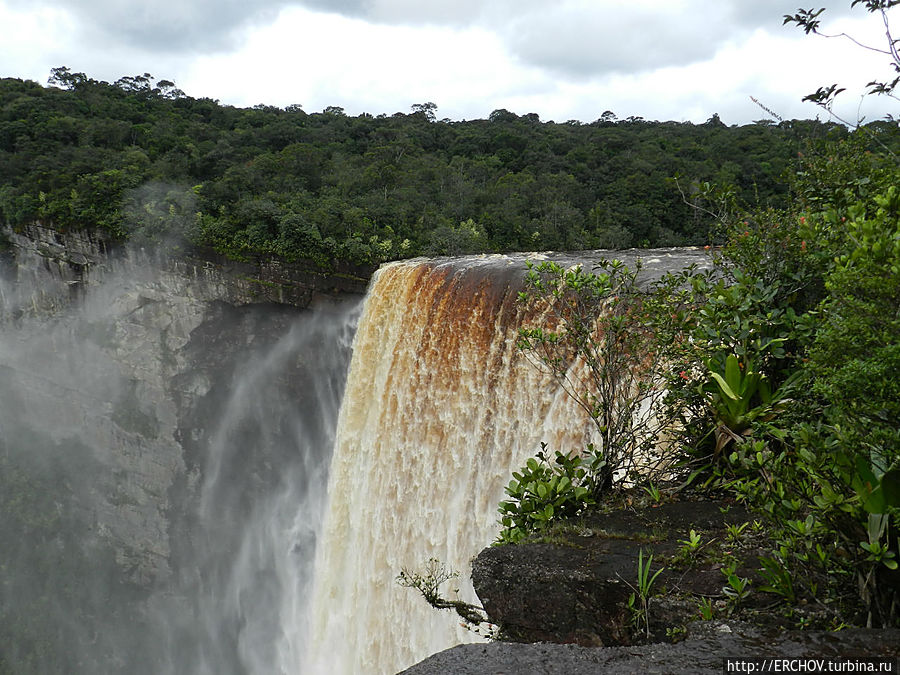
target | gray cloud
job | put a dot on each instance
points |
(567, 35)
(770, 12)
(581, 43)
(432, 12)
(578, 40)
(168, 25)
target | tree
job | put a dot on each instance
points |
(65, 78)
(593, 335)
(502, 115)
(427, 109)
(608, 117)
(136, 83)
(809, 21)
(167, 89)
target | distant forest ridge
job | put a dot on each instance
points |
(141, 160)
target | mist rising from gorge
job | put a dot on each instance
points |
(163, 461)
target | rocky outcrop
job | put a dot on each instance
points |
(576, 589)
(548, 593)
(61, 264)
(702, 652)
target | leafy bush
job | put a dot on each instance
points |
(542, 490)
(809, 297)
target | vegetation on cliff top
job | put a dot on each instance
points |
(138, 158)
(781, 368)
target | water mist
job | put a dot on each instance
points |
(163, 458)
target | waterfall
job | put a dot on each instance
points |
(439, 409)
(261, 490)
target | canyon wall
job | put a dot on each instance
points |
(165, 433)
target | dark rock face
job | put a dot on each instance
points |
(268, 280)
(704, 651)
(578, 592)
(546, 593)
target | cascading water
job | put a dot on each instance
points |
(261, 490)
(437, 413)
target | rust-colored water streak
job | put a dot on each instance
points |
(438, 411)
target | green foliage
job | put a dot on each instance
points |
(691, 544)
(653, 491)
(542, 490)
(737, 588)
(821, 463)
(737, 395)
(735, 532)
(705, 609)
(594, 338)
(778, 578)
(729, 337)
(639, 600)
(855, 356)
(329, 187)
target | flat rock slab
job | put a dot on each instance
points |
(702, 652)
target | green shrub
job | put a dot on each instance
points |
(542, 490)
(784, 363)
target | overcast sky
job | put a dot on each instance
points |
(679, 60)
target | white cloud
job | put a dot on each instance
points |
(569, 59)
(324, 59)
(29, 37)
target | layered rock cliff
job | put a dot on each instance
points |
(163, 419)
(54, 262)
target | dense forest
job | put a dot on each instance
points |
(140, 159)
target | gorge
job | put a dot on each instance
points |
(201, 475)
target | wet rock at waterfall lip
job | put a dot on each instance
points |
(703, 651)
(655, 262)
(575, 587)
